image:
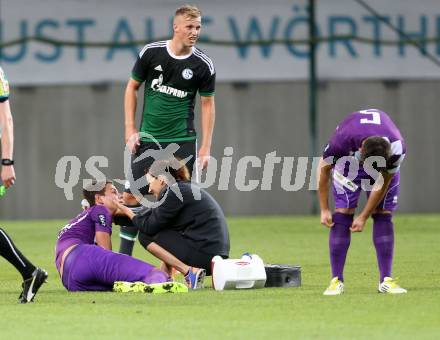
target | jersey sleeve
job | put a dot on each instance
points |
(207, 84)
(398, 151)
(161, 217)
(332, 152)
(4, 87)
(141, 67)
(102, 219)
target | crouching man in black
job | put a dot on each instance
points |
(186, 227)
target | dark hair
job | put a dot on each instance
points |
(376, 146)
(94, 188)
(173, 166)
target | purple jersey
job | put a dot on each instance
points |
(356, 127)
(82, 229)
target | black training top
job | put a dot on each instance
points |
(200, 220)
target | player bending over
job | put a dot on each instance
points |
(360, 139)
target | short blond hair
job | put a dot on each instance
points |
(188, 10)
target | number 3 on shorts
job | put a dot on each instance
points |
(375, 117)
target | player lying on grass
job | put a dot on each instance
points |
(86, 266)
(191, 228)
(359, 139)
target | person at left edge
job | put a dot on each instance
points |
(33, 277)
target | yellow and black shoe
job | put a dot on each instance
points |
(153, 288)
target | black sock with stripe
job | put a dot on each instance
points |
(128, 237)
(11, 253)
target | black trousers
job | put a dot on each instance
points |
(184, 249)
(186, 149)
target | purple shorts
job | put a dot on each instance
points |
(92, 268)
(346, 195)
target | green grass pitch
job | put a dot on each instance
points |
(276, 313)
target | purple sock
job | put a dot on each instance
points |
(339, 241)
(383, 239)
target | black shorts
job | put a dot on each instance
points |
(186, 149)
(185, 249)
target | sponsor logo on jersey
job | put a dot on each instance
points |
(187, 74)
(344, 181)
(101, 218)
(158, 68)
(157, 86)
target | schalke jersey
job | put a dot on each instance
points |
(4, 87)
(171, 85)
(358, 126)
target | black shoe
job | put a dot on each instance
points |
(31, 285)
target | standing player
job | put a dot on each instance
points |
(374, 148)
(33, 277)
(173, 72)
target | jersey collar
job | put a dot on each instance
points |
(178, 56)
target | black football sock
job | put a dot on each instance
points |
(128, 234)
(128, 238)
